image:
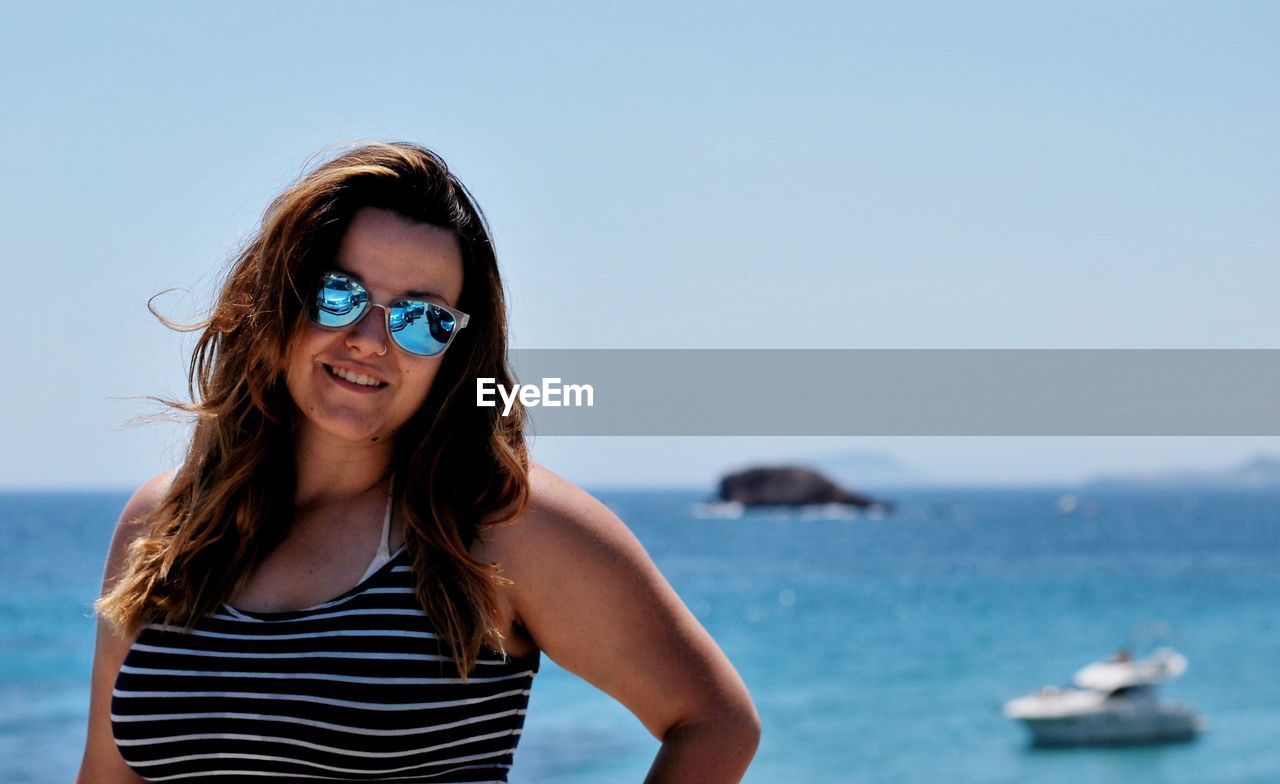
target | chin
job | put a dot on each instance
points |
(347, 428)
(349, 420)
(365, 429)
(360, 435)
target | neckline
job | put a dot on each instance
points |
(351, 593)
(384, 542)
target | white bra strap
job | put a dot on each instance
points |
(384, 552)
(385, 547)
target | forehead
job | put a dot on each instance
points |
(394, 256)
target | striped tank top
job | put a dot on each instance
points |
(359, 688)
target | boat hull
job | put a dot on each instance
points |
(1114, 728)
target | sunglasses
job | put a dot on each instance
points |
(419, 327)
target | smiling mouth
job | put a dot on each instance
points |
(357, 379)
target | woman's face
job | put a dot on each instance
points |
(392, 257)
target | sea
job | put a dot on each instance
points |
(877, 648)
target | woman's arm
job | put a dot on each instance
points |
(591, 598)
(102, 763)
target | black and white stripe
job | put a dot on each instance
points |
(359, 688)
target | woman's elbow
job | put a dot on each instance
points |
(733, 722)
(741, 715)
(744, 725)
(736, 716)
(715, 744)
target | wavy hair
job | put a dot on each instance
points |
(462, 467)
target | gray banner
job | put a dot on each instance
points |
(805, 392)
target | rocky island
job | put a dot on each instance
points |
(789, 486)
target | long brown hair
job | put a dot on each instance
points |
(456, 464)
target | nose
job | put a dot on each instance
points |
(368, 336)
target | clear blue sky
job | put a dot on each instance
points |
(896, 175)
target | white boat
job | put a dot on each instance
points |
(1114, 701)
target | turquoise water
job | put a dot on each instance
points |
(876, 650)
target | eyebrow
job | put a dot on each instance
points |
(412, 293)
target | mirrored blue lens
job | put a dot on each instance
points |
(420, 327)
(339, 301)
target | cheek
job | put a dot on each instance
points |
(311, 340)
(299, 360)
(418, 379)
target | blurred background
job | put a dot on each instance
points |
(905, 175)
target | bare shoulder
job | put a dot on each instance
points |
(148, 496)
(554, 500)
(102, 761)
(560, 518)
(588, 595)
(143, 501)
(568, 552)
(563, 536)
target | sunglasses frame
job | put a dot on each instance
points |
(459, 318)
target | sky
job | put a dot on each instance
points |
(891, 175)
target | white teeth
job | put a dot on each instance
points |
(355, 378)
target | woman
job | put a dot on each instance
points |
(246, 633)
